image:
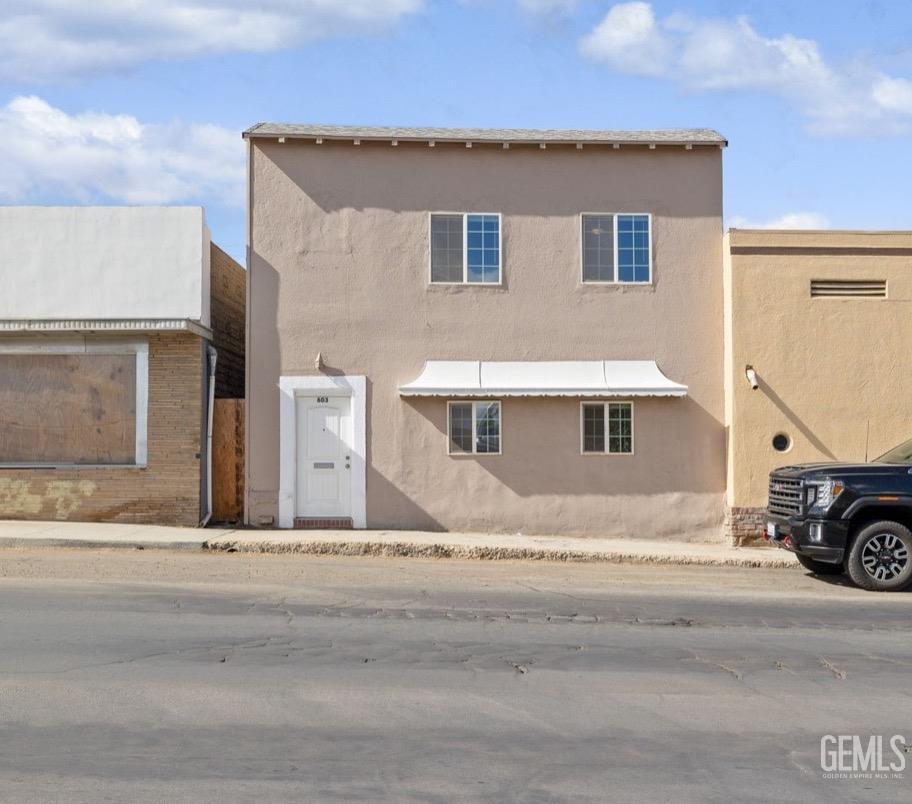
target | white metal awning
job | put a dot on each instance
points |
(592, 378)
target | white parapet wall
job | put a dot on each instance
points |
(104, 263)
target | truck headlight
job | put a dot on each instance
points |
(821, 495)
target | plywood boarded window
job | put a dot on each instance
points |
(77, 408)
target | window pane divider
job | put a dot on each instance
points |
(474, 428)
(465, 281)
(616, 236)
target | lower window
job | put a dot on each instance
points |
(73, 402)
(474, 427)
(607, 428)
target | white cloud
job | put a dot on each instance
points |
(729, 54)
(894, 94)
(50, 39)
(94, 156)
(629, 40)
(790, 220)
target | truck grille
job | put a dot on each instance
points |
(786, 495)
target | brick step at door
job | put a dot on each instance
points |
(314, 523)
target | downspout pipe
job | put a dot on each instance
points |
(212, 355)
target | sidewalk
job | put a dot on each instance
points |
(90, 534)
(418, 544)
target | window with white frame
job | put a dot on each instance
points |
(474, 427)
(607, 428)
(465, 248)
(73, 400)
(617, 248)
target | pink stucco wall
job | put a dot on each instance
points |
(339, 265)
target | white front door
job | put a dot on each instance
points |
(324, 452)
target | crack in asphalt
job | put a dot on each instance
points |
(839, 673)
(468, 655)
(613, 617)
(721, 665)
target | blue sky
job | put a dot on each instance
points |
(107, 102)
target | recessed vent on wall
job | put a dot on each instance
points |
(849, 288)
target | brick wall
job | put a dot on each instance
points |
(166, 492)
(745, 525)
(228, 283)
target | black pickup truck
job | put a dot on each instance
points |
(853, 518)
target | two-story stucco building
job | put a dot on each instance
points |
(492, 330)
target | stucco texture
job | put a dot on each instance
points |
(834, 373)
(339, 265)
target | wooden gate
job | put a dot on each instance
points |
(228, 460)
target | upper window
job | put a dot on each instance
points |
(607, 427)
(465, 248)
(617, 248)
(474, 427)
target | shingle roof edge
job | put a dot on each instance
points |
(675, 136)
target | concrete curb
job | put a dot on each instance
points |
(388, 543)
(401, 549)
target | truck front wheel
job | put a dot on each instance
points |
(881, 557)
(819, 567)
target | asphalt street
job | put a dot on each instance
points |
(156, 676)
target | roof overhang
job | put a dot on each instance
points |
(18, 325)
(542, 138)
(575, 378)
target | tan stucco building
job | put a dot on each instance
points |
(511, 331)
(821, 321)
